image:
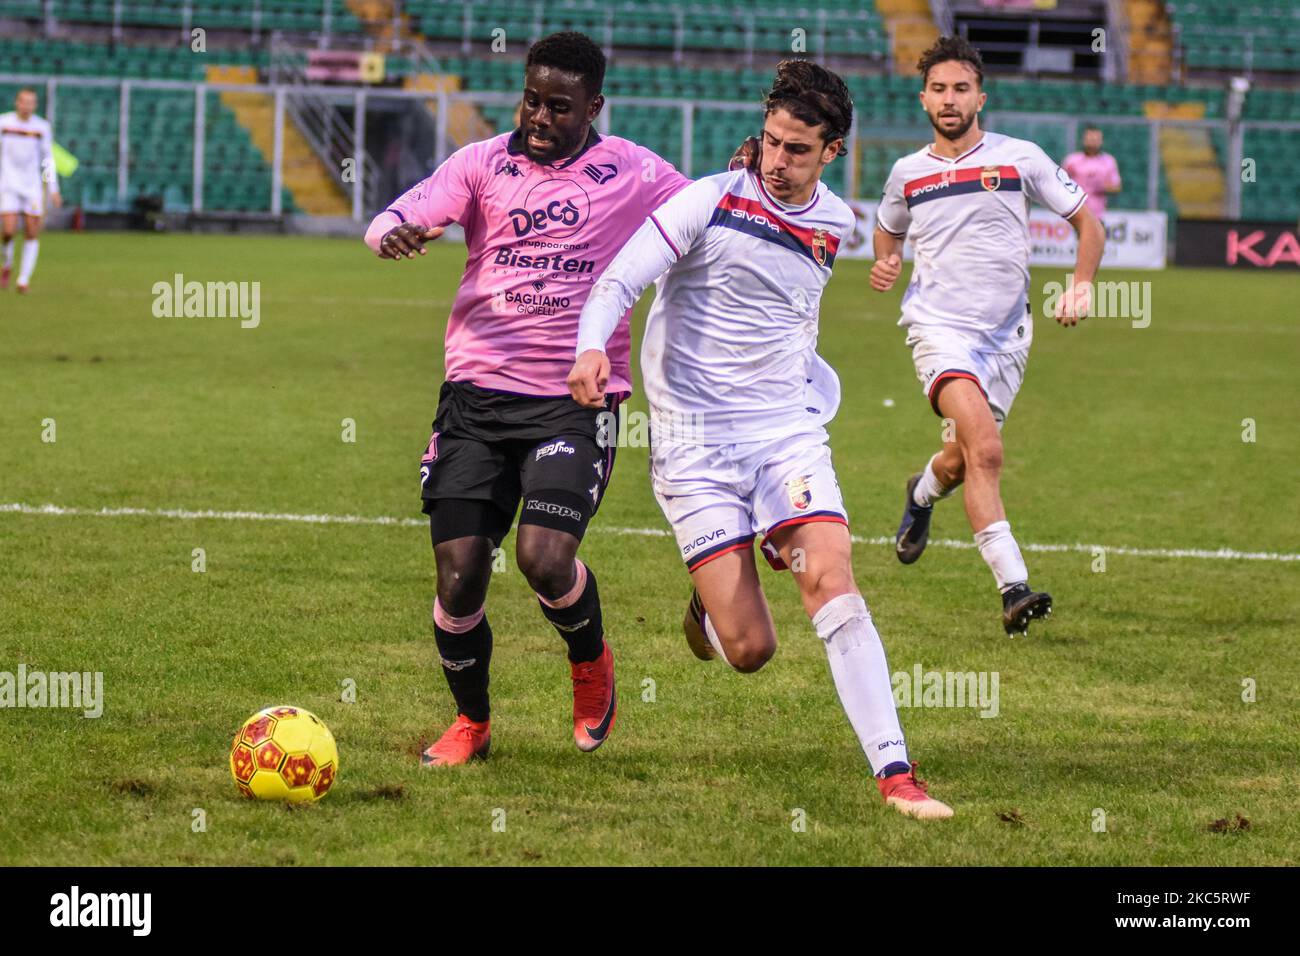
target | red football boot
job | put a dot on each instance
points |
(907, 795)
(464, 740)
(594, 702)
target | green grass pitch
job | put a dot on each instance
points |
(1129, 702)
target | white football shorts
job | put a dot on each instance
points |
(719, 498)
(26, 201)
(939, 355)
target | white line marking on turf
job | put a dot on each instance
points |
(183, 514)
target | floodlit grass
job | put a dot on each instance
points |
(1129, 701)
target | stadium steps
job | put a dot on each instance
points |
(312, 188)
(1191, 163)
(376, 18)
(1150, 41)
(465, 124)
(911, 29)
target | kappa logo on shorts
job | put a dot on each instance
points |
(554, 448)
(799, 492)
(550, 508)
(458, 665)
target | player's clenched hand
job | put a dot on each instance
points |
(1074, 304)
(588, 378)
(406, 240)
(885, 272)
(746, 154)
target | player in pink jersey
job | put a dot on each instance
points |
(1094, 170)
(545, 209)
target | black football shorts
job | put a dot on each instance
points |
(491, 452)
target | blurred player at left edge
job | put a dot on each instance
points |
(26, 169)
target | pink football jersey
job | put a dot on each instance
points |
(1095, 174)
(537, 237)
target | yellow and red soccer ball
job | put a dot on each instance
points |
(284, 753)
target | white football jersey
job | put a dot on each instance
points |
(26, 145)
(729, 353)
(968, 222)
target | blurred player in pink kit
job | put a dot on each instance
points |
(545, 209)
(1095, 171)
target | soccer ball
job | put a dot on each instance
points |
(284, 753)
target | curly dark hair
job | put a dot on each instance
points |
(571, 52)
(813, 95)
(951, 48)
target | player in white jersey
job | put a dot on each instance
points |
(739, 399)
(26, 170)
(963, 203)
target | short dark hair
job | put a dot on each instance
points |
(813, 95)
(1092, 126)
(571, 52)
(26, 89)
(951, 48)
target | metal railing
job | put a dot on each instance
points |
(868, 132)
(340, 146)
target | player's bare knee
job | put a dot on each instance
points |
(547, 571)
(822, 584)
(985, 455)
(751, 652)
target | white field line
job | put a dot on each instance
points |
(183, 514)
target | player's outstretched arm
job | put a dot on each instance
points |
(1075, 303)
(667, 235)
(645, 257)
(889, 260)
(403, 240)
(588, 378)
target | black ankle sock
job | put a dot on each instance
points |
(580, 624)
(465, 658)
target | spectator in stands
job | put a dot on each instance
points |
(1094, 170)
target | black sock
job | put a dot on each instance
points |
(580, 624)
(465, 658)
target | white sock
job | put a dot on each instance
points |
(928, 490)
(861, 676)
(711, 633)
(999, 550)
(30, 248)
(9, 254)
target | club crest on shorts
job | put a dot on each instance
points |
(991, 178)
(819, 246)
(799, 492)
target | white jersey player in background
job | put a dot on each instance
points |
(963, 202)
(739, 399)
(26, 169)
